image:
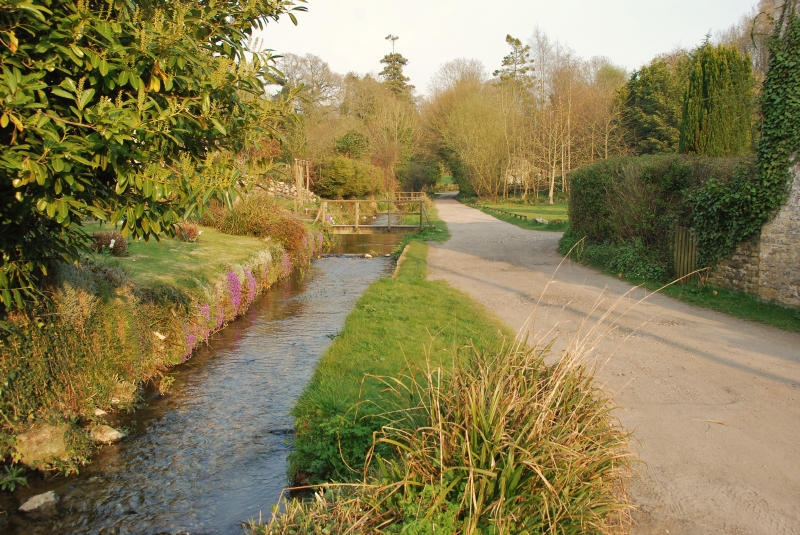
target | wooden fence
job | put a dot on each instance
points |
(396, 211)
(685, 252)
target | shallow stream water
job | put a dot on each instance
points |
(212, 453)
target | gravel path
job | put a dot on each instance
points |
(713, 401)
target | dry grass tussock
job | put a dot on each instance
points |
(257, 214)
(500, 443)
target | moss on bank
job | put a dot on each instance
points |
(395, 324)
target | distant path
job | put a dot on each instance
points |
(713, 401)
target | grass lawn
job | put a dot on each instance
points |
(395, 325)
(174, 261)
(551, 212)
(446, 179)
(547, 211)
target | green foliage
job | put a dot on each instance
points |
(392, 326)
(420, 173)
(652, 103)
(125, 111)
(257, 214)
(718, 107)
(779, 142)
(632, 204)
(517, 67)
(353, 145)
(392, 73)
(342, 177)
(724, 201)
(12, 478)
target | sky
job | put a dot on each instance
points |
(350, 34)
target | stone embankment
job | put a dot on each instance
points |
(768, 267)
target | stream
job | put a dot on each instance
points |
(212, 453)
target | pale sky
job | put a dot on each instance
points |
(349, 34)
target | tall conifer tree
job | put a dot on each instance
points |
(718, 107)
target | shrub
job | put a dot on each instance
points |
(624, 201)
(112, 242)
(500, 443)
(257, 214)
(188, 231)
(342, 177)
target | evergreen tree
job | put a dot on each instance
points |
(652, 103)
(393, 77)
(718, 107)
(517, 67)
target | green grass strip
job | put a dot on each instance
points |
(735, 303)
(395, 324)
(558, 212)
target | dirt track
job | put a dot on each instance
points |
(713, 401)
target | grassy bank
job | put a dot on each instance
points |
(182, 263)
(439, 233)
(395, 324)
(110, 324)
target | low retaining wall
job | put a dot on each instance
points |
(768, 267)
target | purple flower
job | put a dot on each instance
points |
(286, 264)
(205, 311)
(252, 287)
(234, 291)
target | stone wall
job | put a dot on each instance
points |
(769, 266)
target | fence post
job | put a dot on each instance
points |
(421, 207)
(389, 214)
(357, 216)
(324, 212)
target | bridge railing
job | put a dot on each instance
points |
(374, 216)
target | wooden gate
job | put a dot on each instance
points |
(685, 252)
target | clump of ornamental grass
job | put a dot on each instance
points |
(500, 443)
(257, 214)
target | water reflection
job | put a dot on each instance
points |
(374, 244)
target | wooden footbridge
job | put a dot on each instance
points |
(405, 213)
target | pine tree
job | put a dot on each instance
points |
(517, 66)
(392, 73)
(718, 107)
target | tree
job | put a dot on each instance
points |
(129, 112)
(652, 103)
(517, 67)
(514, 79)
(320, 86)
(392, 73)
(718, 107)
(353, 144)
